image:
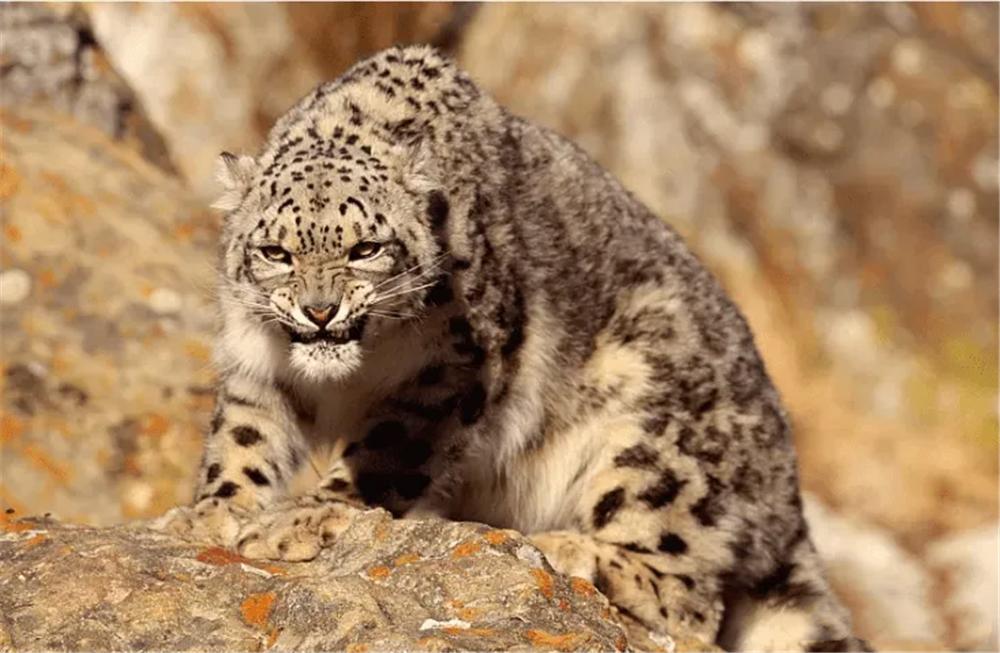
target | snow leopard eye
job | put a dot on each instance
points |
(276, 254)
(363, 250)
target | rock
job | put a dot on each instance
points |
(106, 278)
(51, 59)
(246, 64)
(384, 585)
(888, 590)
(14, 286)
(966, 564)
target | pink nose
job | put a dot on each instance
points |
(319, 315)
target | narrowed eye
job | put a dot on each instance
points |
(364, 250)
(276, 254)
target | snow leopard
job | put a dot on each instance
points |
(451, 312)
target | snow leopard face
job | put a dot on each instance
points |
(327, 248)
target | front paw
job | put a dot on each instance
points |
(211, 521)
(567, 554)
(295, 530)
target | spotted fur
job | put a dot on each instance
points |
(462, 315)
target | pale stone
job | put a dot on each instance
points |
(837, 99)
(165, 301)
(881, 92)
(986, 172)
(968, 560)
(908, 57)
(15, 286)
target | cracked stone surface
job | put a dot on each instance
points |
(384, 585)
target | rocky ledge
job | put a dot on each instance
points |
(384, 585)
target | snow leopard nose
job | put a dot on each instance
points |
(319, 315)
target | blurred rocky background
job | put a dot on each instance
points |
(835, 164)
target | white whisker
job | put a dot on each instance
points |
(432, 267)
(407, 291)
(394, 315)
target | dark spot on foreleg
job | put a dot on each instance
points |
(246, 436)
(608, 506)
(227, 489)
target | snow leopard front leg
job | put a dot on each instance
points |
(297, 528)
(653, 572)
(252, 448)
(655, 535)
(399, 455)
(645, 586)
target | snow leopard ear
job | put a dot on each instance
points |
(234, 173)
(421, 173)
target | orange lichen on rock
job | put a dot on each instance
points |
(39, 458)
(184, 231)
(582, 586)
(47, 279)
(197, 350)
(256, 608)
(566, 642)
(10, 427)
(155, 425)
(358, 647)
(475, 632)
(379, 572)
(496, 537)
(466, 549)
(9, 181)
(544, 581)
(10, 231)
(35, 541)
(433, 644)
(381, 531)
(468, 614)
(14, 526)
(69, 200)
(406, 559)
(16, 122)
(220, 557)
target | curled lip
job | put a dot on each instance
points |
(338, 337)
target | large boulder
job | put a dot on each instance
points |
(384, 585)
(105, 285)
(245, 64)
(106, 316)
(51, 58)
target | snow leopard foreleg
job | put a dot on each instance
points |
(392, 463)
(252, 448)
(656, 590)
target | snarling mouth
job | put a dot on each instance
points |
(338, 337)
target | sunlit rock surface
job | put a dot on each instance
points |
(384, 585)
